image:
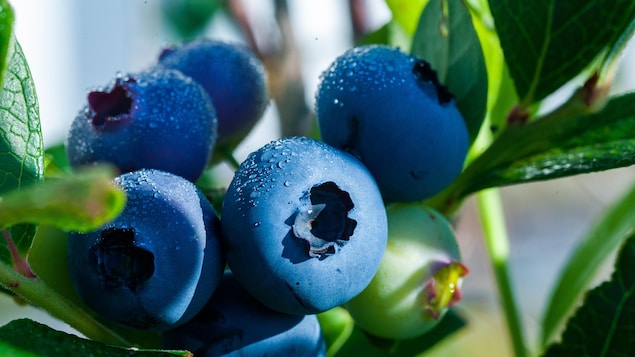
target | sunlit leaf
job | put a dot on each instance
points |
(501, 94)
(79, 202)
(21, 151)
(6, 33)
(56, 161)
(406, 13)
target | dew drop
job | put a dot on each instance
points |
(266, 156)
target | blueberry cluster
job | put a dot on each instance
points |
(303, 226)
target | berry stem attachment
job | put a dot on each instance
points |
(19, 263)
(35, 291)
(589, 98)
(495, 233)
(228, 155)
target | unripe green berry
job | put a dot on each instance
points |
(418, 278)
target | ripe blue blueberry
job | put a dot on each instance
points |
(304, 224)
(388, 109)
(232, 76)
(157, 119)
(157, 264)
(233, 323)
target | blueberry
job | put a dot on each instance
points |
(304, 225)
(233, 323)
(156, 119)
(157, 264)
(388, 109)
(419, 277)
(232, 76)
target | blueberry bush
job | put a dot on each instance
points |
(337, 239)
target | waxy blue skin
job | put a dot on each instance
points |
(232, 76)
(386, 108)
(270, 190)
(235, 324)
(157, 119)
(175, 252)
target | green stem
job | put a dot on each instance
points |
(496, 240)
(39, 294)
(228, 155)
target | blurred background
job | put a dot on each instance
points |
(76, 45)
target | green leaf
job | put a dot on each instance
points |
(361, 344)
(379, 36)
(56, 162)
(568, 146)
(576, 275)
(501, 94)
(25, 337)
(188, 18)
(605, 323)
(406, 13)
(614, 52)
(390, 34)
(505, 99)
(21, 151)
(6, 33)
(446, 39)
(80, 202)
(549, 148)
(549, 42)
